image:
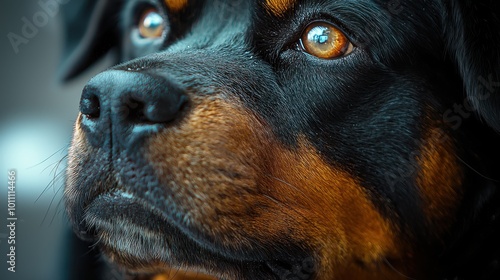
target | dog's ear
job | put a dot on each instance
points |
(91, 31)
(472, 33)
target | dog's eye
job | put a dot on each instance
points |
(151, 24)
(325, 41)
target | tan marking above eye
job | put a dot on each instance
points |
(325, 41)
(279, 7)
(176, 5)
(151, 24)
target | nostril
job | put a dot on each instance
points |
(90, 104)
(136, 111)
(91, 107)
(166, 109)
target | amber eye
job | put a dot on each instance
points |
(325, 41)
(151, 24)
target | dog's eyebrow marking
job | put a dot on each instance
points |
(279, 7)
(176, 5)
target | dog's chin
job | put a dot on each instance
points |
(135, 235)
(121, 225)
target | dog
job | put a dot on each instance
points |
(289, 139)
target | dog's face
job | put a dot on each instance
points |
(285, 139)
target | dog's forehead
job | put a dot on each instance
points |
(275, 7)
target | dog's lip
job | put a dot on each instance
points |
(119, 203)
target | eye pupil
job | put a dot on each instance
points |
(321, 38)
(319, 34)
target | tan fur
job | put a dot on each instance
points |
(279, 7)
(176, 5)
(438, 179)
(237, 182)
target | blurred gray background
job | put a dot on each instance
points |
(36, 118)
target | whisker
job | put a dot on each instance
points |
(52, 183)
(49, 157)
(58, 206)
(50, 206)
(477, 172)
(388, 263)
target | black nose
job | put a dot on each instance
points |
(127, 105)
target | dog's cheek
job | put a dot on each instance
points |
(439, 179)
(332, 212)
(209, 161)
(240, 185)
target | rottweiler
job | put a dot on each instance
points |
(289, 139)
